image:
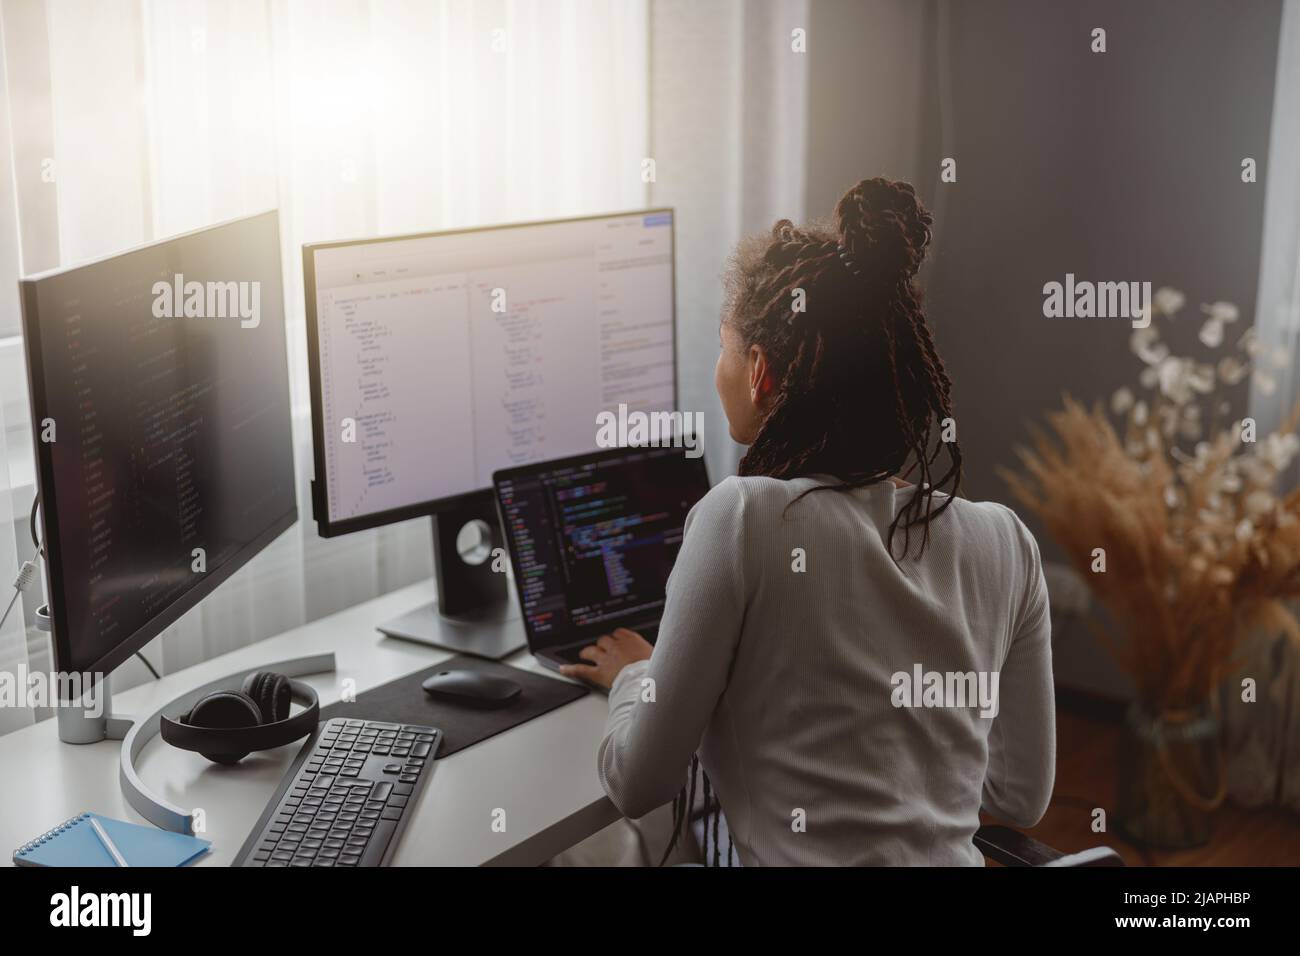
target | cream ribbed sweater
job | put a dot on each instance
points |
(785, 680)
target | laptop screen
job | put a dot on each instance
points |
(593, 538)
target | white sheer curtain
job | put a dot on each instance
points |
(1277, 312)
(13, 645)
(14, 546)
(1263, 743)
(727, 133)
(354, 118)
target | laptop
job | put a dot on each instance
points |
(592, 540)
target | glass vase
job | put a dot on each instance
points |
(1170, 777)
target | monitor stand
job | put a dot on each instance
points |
(473, 613)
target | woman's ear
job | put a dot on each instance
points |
(761, 382)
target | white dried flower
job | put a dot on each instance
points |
(1250, 343)
(1175, 380)
(1121, 401)
(1232, 370)
(1168, 300)
(1223, 311)
(1145, 344)
(1278, 450)
(1211, 333)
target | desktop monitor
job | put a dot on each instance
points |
(161, 415)
(439, 358)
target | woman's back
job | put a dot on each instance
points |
(793, 647)
(861, 710)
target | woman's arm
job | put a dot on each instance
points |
(659, 709)
(1022, 742)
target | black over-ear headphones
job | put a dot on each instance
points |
(227, 725)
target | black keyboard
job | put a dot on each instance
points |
(345, 799)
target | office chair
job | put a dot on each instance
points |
(1013, 848)
(998, 843)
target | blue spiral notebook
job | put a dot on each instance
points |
(74, 843)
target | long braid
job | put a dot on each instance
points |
(695, 775)
(683, 807)
(717, 844)
(677, 826)
(904, 423)
(705, 848)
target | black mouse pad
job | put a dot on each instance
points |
(403, 701)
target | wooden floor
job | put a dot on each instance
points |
(1086, 778)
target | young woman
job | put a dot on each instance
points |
(813, 590)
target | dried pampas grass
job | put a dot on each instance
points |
(1198, 549)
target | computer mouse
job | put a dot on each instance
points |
(471, 687)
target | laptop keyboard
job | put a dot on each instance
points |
(573, 654)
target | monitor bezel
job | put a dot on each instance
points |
(328, 528)
(50, 541)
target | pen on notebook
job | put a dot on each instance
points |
(109, 845)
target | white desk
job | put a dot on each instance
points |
(541, 773)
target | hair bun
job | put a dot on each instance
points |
(883, 228)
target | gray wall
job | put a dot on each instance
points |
(1122, 166)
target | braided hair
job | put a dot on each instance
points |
(859, 348)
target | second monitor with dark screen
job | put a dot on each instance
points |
(160, 386)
